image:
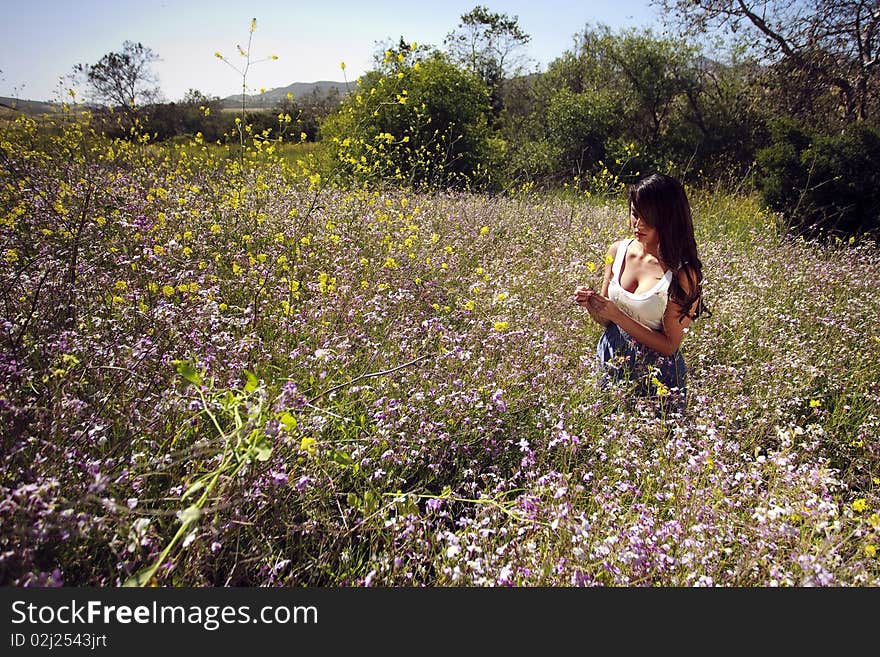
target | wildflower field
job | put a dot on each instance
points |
(221, 369)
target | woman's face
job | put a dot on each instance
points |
(644, 233)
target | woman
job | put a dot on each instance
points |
(652, 290)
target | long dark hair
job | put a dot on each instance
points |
(661, 202)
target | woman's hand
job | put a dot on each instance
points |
(583, 296)
(602, 308)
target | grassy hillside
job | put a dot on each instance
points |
(219, 370)
(14, 105)
(278, 96)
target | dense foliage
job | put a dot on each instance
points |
(823, 183)
(419, 121)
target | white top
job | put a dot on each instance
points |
(646, 308)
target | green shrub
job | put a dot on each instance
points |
(423, 123)
(577, 126)
(822, 184)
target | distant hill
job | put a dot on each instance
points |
(300, 91)
(14, 105)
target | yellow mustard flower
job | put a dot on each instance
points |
(662, 390)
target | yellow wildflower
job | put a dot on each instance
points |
(308, 444)
(662, 390)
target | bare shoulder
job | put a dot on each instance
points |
(612, 250)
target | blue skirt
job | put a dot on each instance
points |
(622, 359)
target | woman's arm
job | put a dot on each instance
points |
(665, 341)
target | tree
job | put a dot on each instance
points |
(636, 101)
(824, 52)
(195, 97)
(578, 127)
(122, 79)
(488, 44)
(628, 87)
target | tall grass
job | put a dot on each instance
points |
(222, 371)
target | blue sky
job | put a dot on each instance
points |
(43, 40)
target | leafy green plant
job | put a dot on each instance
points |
(823, 184)
(418, 120)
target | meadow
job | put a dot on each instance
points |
(220, 368)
